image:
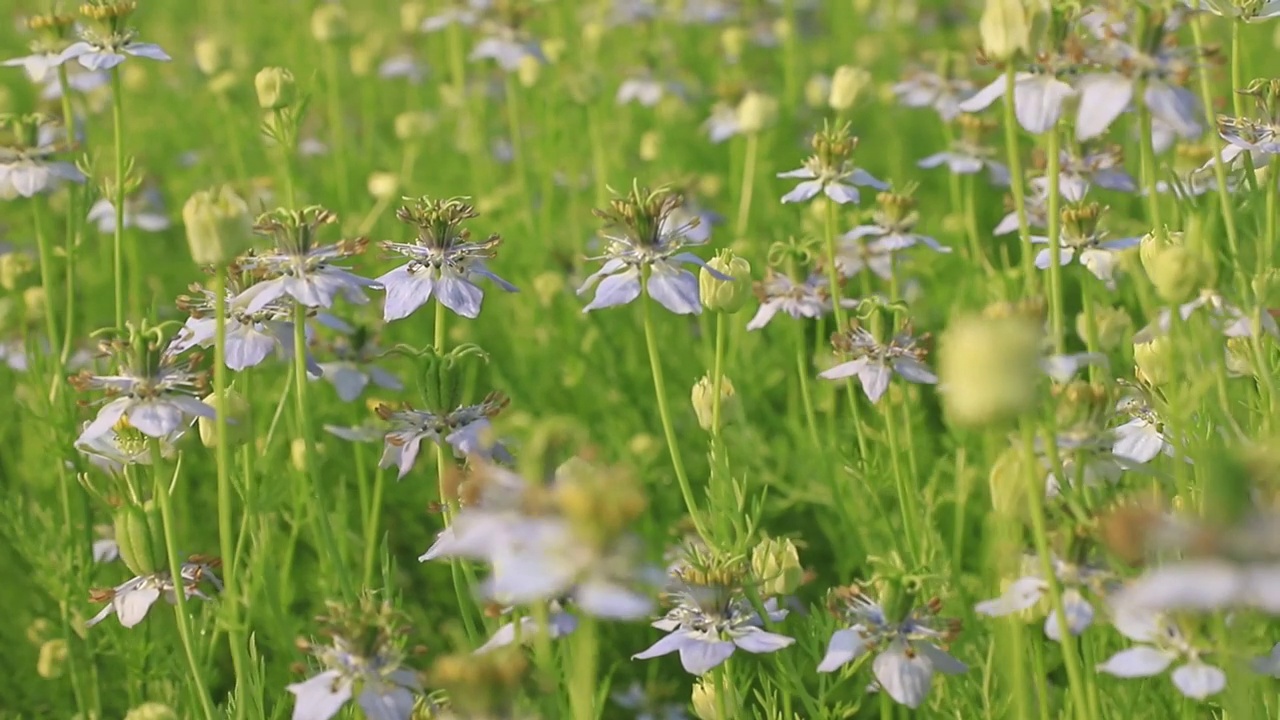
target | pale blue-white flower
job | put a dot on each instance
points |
(858, 252)
(79, 81)
(1063, 367)
(403, 66)
(155, 395)
(301, 268)
(968, 161)
(1207, 584)
(1087, 454)
(39, 65)
(838, 182)
(466, 430)
(463, 12)
(1229, 319)
(1036, 205)
(444, 261)
(1039, 98)
(1249, 11)
(1079, 582)
(131, 600)
(1141, 438)
(892, 227)
(494, 503)
(923, 88)
(722, 124)
(1084, 240)
(144, 211)
(706, 626)
(1260, 139)
(507, 47)
(643, 89)
(105, 51)
(1106, 94)
(645, 240)
(353, 368)
(908, 649)
(122, 445)
(1079, 172)
(29, 167)
(1161, 643)
(874, 363)
(559, 624)
(1268, 664)
(104, 549)
(779, 293)
(376, 678)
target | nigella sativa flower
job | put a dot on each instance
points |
(1087, 453)
(144, 211)
(1248, 10)
(644, 243)
(299, 267)
(1039, 95)
(154, 391)
(111, 42)
(873, 362)
(1230, 320)
(467, 430)
(1037, 211)
(830, 170)
(1078, 582)
(1141, 438)
(353, 368)
(526, 628)
(779, 293)
(643, 89)
(892, 226)
(968, 155)
(909, 652)
(27, 167)
(922, 88)
(722, 124)
(444, 261)
(131, 600)
(123, 445)
(1161, 643)
(1106, 94)
(508, 47)
(708, 624)
(364, 660)
(1077, 173)
(1083, 239)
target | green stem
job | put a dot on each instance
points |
(748, 184)
(73, 213)
(833, 279)
(717, 374)
(804, 369)
(46, 284)
(1219, 168)
(517, 148)
(371, 524)
(660, 389)
(1055, 241)
(226, 533)
(1147, 149)
(319, 491)
(1268, 239)
(971, 226)
(586, 650)
(336, 134)
(1016, 180)
(180, 596)
(117, 247)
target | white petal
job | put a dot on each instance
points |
(1198, 681)
(1103, 97)
(147, 50)
(1137, 441)
(1188, 585)
(845, 647)
(764, 314)
(454, 292)
(132, 605)
(803, 192)
(844, 370)
(906, 679)
(875, 380)
(155, 418)
(1038, 102)
(1021, 595)
(674, 288)
(700, 656)
(982, 99)
(1078, 612)
(842, 193)
(321, 697)
(1176, 106)
(755, 640)
(618, 289)
(942, 661)
(665, 646)
(1140, 661)
(612, 601)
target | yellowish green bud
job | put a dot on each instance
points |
(1114, 327)
(706, 704)
(1005, 28)
(756, 111)
(151, 711)
(39, 631)
(726, 296)
(847, 84)
(137, 534)
(592, 33)
(236, 408)
(703, 400)
(643, 445)
(34, 303)
(53, 659)
(650, 144)
(990, 368)
(363, 57)
(817, 90)
(1178, 273)
(12, 267)
(775, 563)
(414, 125)
(1239, 357)
(223, 83)
(276, 88)
(329, 23)
(412, 14)
(1154, 361)
(211, 55)
(553, 49)
(219, 225)
(529, 71)
(298, 453)
(732, 41)
(383, 185)
(1008, 482)
(1153, 244)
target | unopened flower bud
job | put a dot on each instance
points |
(383, 185)
(548, 286)
(1008, 482)
(236, 408)
(414, 125)
(817, 90)
(137, 534)
(703, 403)
(650, 144)
(553, 49)
(1114, 326)
(529, 70)
(756, 111)
(12, 267)
(363, 57)
(775, 562)
(705, 702)
(1178, 273)
(989, 368)
(726, 296)
(592, 33)
(1152, 244)
(219, 225)
(1154, 361)
(846, 84)
(329, 23)
(211, 55)
(39, 631)
(53, 659)
(732, 41)
(1005, 29)
(223, 83)
(276, 88)
(151, 711)
(412, 14)
(1239, 357)
(298, 453)
(34, 303)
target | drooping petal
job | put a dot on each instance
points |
(1198, 680)
(132, 605)
(346, 378)
(845, 369)
(1176, 106)
(380, 701)
(982, 99)
(875, 380)
(674, 288)
(666, 645)
(1103, 97)
(107, 417)
(906, 677)
(942, 661)
(156, 417)
(803, 192)
(1077, 611)
(1188, 585)
(146, 50)
(1023, 594)
(614, 290)
(1137, 441)
(914, 370)
(321, 697)
(845, 647)
(456, 293)
(755, 640)
(700, 656)
(842, 193)
(764, 314)
(1038, 102)
(406, 291)
(1140, 661)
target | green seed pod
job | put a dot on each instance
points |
(138, 537)
(727, 296)
(53, 659)
(775, 562)
(1154, 361)
(1177, 273)
(219, 225)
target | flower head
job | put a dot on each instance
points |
(465, 429)
(779, 293)
(109, 41)
(874, 363)
(27, 167)
(1083, 239)
(830, 170)
(131, 600)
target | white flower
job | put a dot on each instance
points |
(1205, 585)
(706, 631)
(1142, 438)
(1161, 644)
(559, 624)
(874, 363)
(132, 600)
(1027, 592)
(157, 401)
(386, 689)
(1038, 99)
(466, 430)
(104, 53)
(810, 299)
(837, 183)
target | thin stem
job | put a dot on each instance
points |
(1219, 168)
(231, 580)
(748, 184)
(319, 492)
(117, 247)
(179, 594)
(336, 134)
(1268, 239)
(833, 279)
(971, 225)
(717, 374)
(70, 241)
(586, 650)
(519, 161)
(1016, 180)
(660, 389)
(46, 284)
(1056, 324)
(1147, 149)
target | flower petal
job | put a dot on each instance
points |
(674, 288)
(845, 647)
(1140, 661)
(321, 697)
(755, 640)
(905, 677)
(614, 290)
(1103, 97)
(1198, 680)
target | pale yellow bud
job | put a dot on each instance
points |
(298, 454)
(414, 125)
(383, 185)
(710, 185)
(1154, 361)
(211, 55)
(39, 631)
(782, 29)
(989, 368)
(12, 267)
(706, 704)
(553, 49)
(1239, 357)
(529, 71)
(276, 88)
(412, 14)
(239, 430)
(329, 23)
(650, 144)
(643, 445)
(703, 396)
(223, 82)
(548, 286)
(219, 225)
(1178, 273)
(756, 112)
(151, 711)
(363, 57)
(732, 42)
(847, 84)
(34, 303)
(1114, 326)
(592, 33)
(1005, 28)
(1008, 482)
(727, 296)
(817, 91)
(775, 563)
(53, 659)
(1152, 244)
